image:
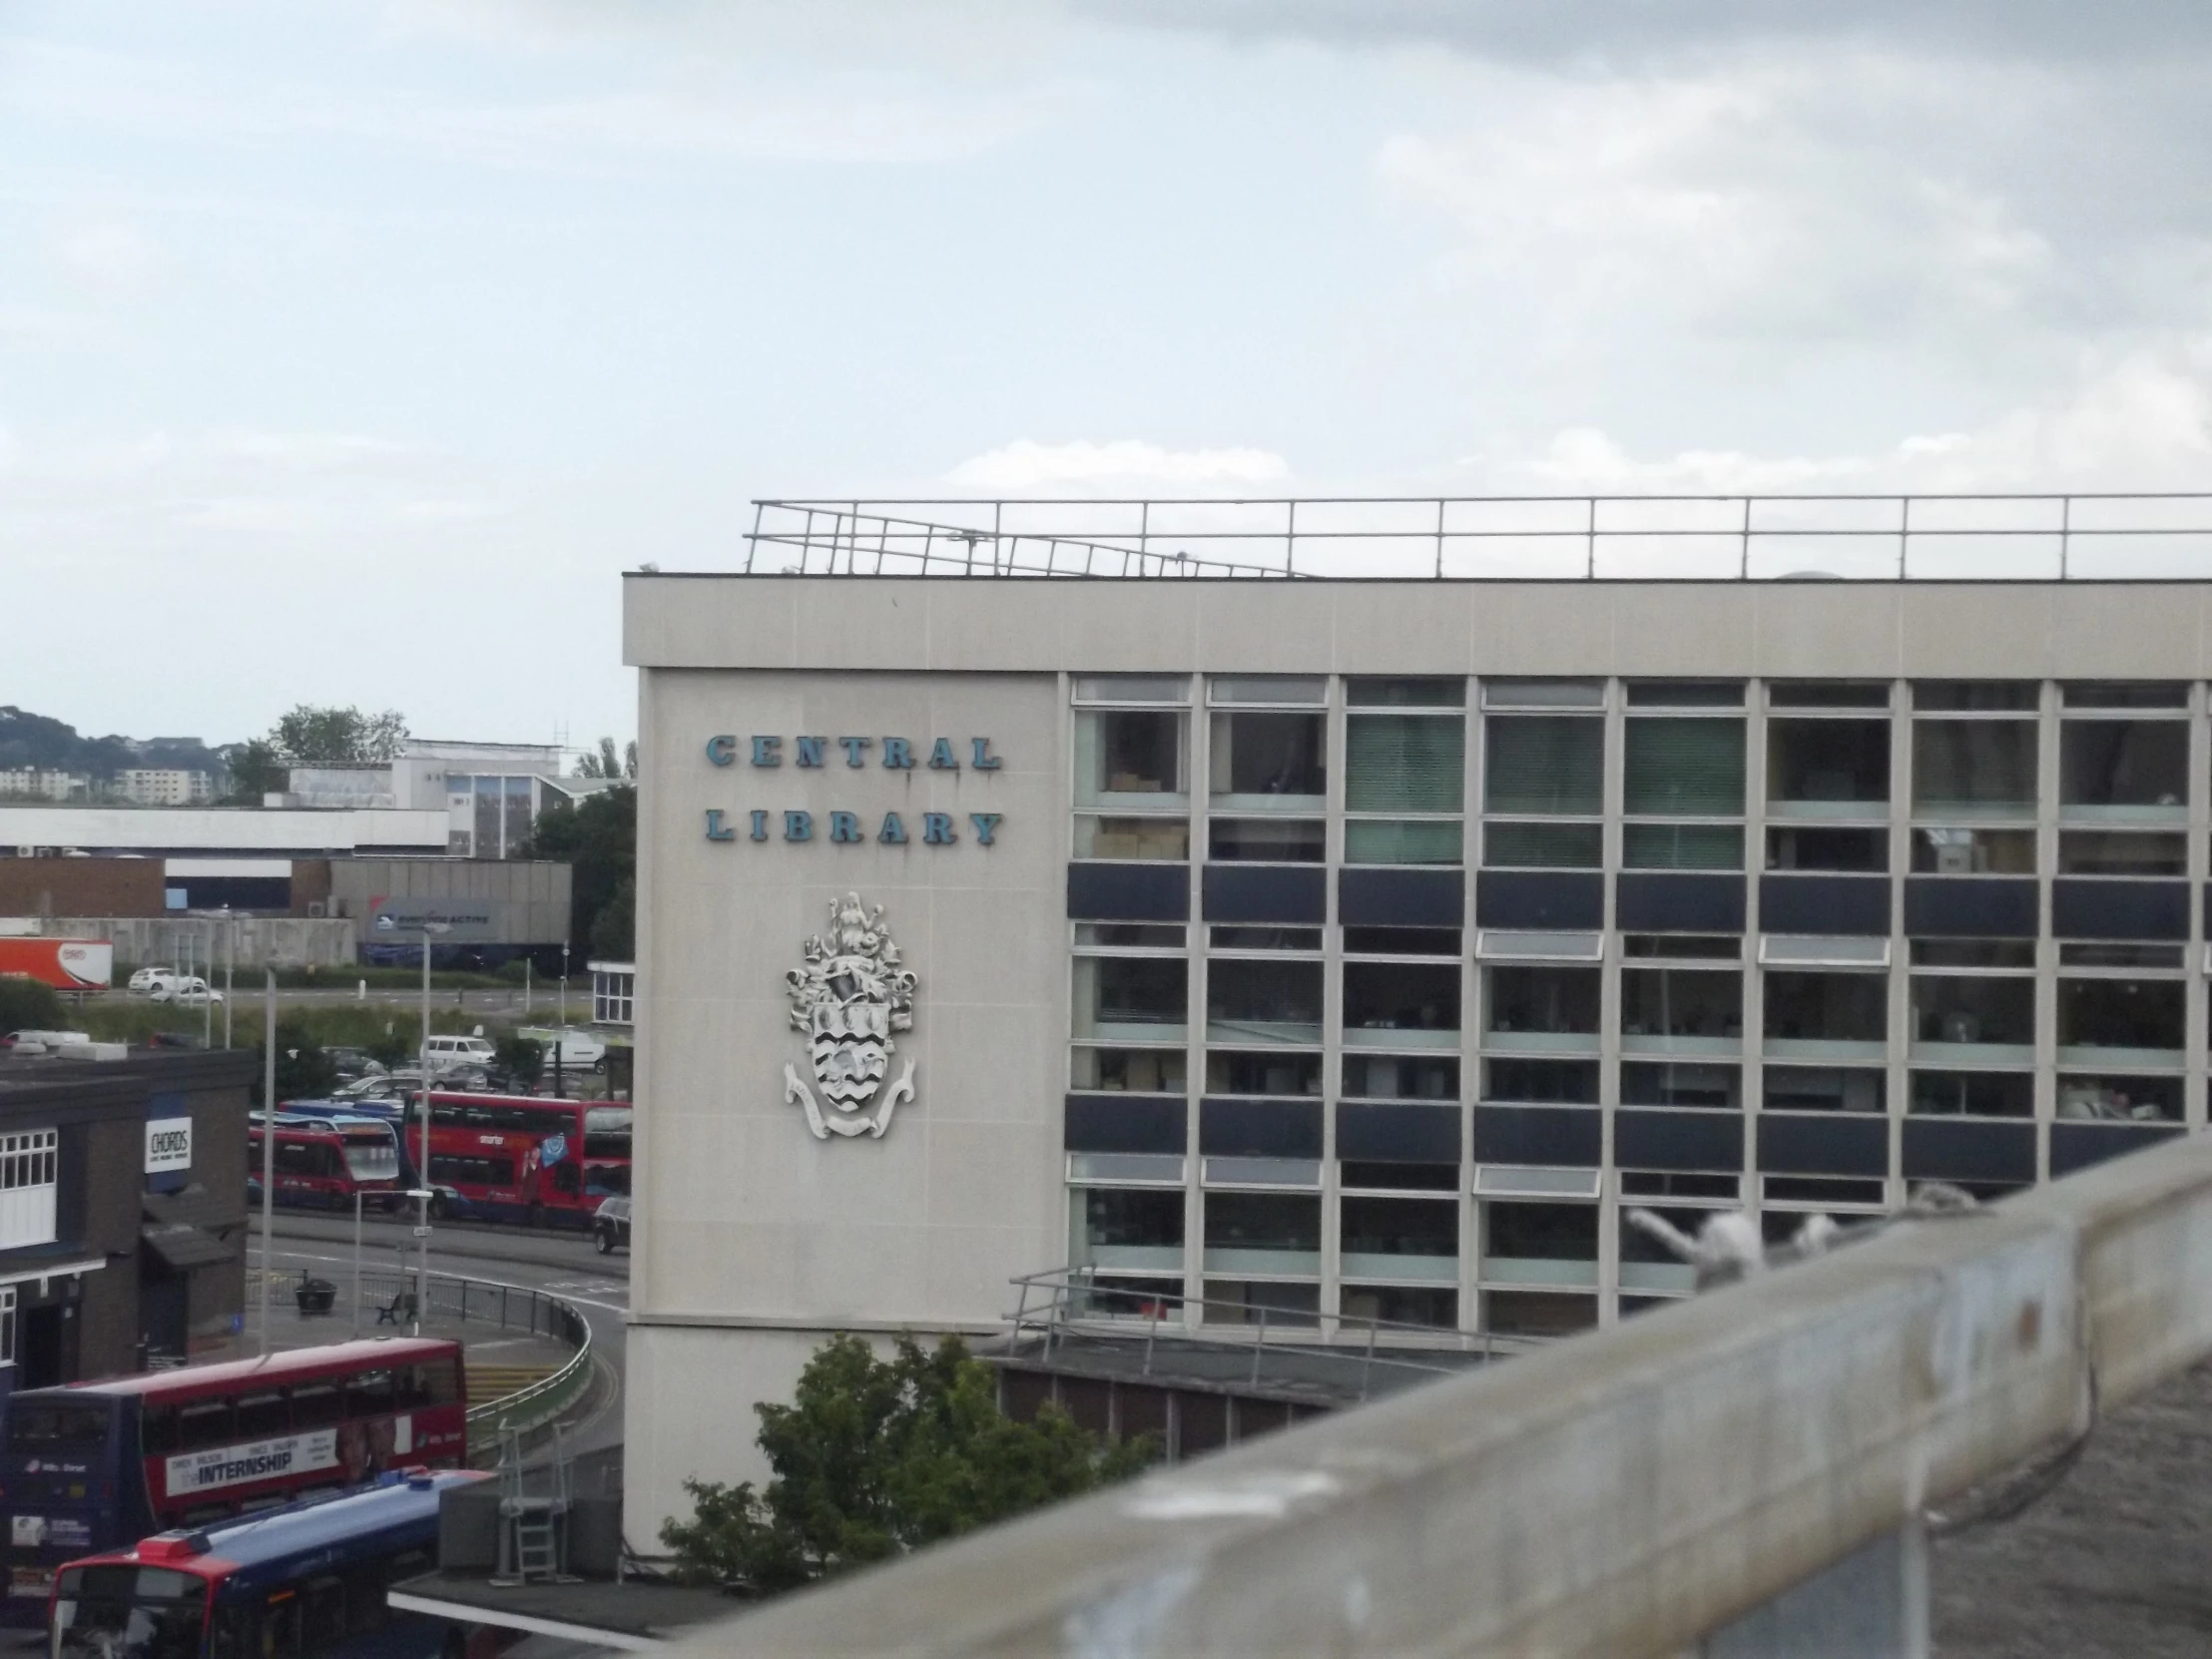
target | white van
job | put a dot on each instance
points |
(41, 1042)
(458, 1053)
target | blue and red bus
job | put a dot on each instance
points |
(323, 1163)
(307, 1581)
(528, 1158)
(91, 1467)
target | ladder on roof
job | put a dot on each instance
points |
(533, 1525)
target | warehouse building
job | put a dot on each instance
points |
(1346, 949)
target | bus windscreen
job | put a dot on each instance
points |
(47, 1427)
(129, 1612)
(607, 1131)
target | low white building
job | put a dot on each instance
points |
(490, 793)
(42, 783)
(163, 787)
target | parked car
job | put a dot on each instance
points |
(41, 1042)
(377, 1085)
(611, 1224)
(188, 988)
(354, 1063)
(145, 979)
(577, 1050)
(454, 1053)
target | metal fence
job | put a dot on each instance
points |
(1586, 537)
(1670, 1482)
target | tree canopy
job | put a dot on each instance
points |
(604, 764)
(874, 1457)
(598, 838)
(312, 736)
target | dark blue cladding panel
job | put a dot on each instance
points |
(1829, 904)
(1827, 1144)
(1401, 897)
(1126, 1122)
(2089, 910)
(1398, 1134)
(1970, 908)
(1129, 892)
(1568, 900)
(1266, 893)
(2078, 1145)
(1653, 904)
(1962, 1149)
(1678, 1140)
(1571, 1136)
(1260, 1128)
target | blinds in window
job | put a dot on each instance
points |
(1385, 842)
(1404, 763)
(1685, 768)
(1544, 763)
(1965, 765)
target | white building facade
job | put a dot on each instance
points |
(1367, 947)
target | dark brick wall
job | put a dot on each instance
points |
(80, 887)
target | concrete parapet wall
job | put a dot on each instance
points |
(147, 942)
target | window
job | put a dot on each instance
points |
(1284, 689)
(1276, 1073)
(1826, 1015)
(1401, 1076)
(2125, 693)
(7, 1325)
(1961, 851)
(1828, 768)
(1403, 841)
(1402, 941)
(371, 1393)
(1543, 846)
(1263, 1232)
(1400, 1238)
(1682, 1010)
(1683, 768)
(28, 1161)
(263, 1415)
(1402, 1005)
(1404, 763)
(317, 1404)
(1974, 767)
(1132, 838)
(1126, 1229)
(1136, 1070)
(1130, 758)
(1541, 1008)
(1132, 688)
(1268, 762)
(1255, 1002)
(1677, 1084)
(1538, 1313)
(1262, 1302)
(1540, 1082)
(613, 997)
(1132, 998)
(1549, 766)
(1797, 846)
(1245, 938)
(1964, 1017)
(2116, 853)
(1539, 1243)
(2109, 1099)
(1823, 1089)
(1685, 693)
(2135, 771)
(1543, 693)
(1261, 841)
(1981, 696)
(2002, 1094)
(2106, 1017)
(1431, 1306)
(1648, 1265)
(1405, 694)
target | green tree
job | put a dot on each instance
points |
(603, 764)
(613, 930)
(256, 769)
(312, 736)
(304, 1071)
(27, 1005)
(597, 838)
(874, 1457)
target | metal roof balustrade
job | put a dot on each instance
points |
(1628, 1493)
(2087, 537)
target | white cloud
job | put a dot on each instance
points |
(1025, 465)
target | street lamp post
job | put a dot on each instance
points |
(268, 1151)
(229, 961)
(359, 1193)
(422, 1183)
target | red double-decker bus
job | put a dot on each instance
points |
(92, 1466)
(527, 1158)
(322, 1162)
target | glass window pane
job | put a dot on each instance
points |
(1971, 767)
(1676, 1083)
(2124, 768)
(1543, 1001)
(1966, 1008)
(1822, 1089)
(1126, 1228)
(2021, 695)
(1263, 1001)
(1399, 1003)
(1408, 694)
(1996, 1094)
(1231, 1072)
(1540, 1082)
(1961, 851)
(1828, 694)
(2126, 694)
(1137, 1070)
(1286, 1222)
(1415, 841)
(1132, 997)
(1132, 688)
(1129, 756)
(2142, 1014)
(1543, 846)
(2106, 1099)
(1682, 1003)
(1685, 768)
(1433, 1305)
(1413, 1227)
(1401, 1076)
(1827, 767)
(1797, 846)
(1827, 1007)
(1545, 765)
(1404, 763)
(1267, 688)
(1543, 693)
(1268, 762)
(2106, 853)
(1682, 847)
(1685, 693)
(1132, 838)
(1266, 841)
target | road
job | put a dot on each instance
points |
(564, 1264)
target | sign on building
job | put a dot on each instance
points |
(453, 920)
(168, 1145)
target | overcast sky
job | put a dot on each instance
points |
(348, 348)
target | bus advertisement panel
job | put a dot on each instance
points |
(93, 1466)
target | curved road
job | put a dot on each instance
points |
(565, 1264)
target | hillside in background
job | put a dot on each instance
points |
(29, 740)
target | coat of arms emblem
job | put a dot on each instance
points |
(849, 996)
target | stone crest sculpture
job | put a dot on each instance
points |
(849, 997)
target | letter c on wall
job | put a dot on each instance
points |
(722, 749)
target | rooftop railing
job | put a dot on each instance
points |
(2100, 538)
(1670, 1482)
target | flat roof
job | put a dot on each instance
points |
(635, 1615)
(272, 1368)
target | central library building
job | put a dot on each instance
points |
(1340, 947)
